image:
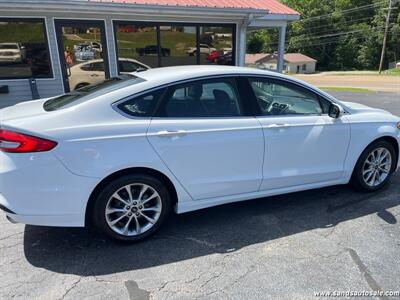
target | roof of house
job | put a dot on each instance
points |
(297, 58)
(271, 6)
(253, 58)
(288, 57)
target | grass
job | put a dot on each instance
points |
(345, 89)
(393, 72)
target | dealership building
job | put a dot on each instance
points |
(51, 47)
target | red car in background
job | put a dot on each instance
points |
(214, 55)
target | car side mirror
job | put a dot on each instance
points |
(335, 111)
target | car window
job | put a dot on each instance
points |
(206, 98)
(90, 92)
(141, 106)
(99, 66)
(276, 97)
(127, 67)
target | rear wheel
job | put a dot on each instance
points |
(374, 167)
(132, 207)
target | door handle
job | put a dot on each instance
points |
(94, 75)
(278, 125)
(171, 132)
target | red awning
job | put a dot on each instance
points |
(272, 6)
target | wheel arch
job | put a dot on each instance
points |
(129, 171)
(388, 138)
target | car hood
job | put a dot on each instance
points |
(357, 107)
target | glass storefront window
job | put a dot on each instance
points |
(24, 51)
(138, 43)
(174, 44)
(216, 45)
(178, 45)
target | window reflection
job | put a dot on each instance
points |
(178, 45)
(23, 49)
(138, 43)
(216, 44)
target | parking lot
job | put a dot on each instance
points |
(290, 247)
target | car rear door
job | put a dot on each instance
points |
(303, 144)
(204, 133)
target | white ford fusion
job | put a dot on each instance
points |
(128, 151)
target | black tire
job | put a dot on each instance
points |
(357, 180)
(99, 211)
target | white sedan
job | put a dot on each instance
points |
(127, 152)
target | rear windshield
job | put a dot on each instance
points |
(91, 91)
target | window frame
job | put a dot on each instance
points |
(116, 104)
(41, 20)
(256, 108)
(246, 110)
(116, 23)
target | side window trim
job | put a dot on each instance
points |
(284, 82)
(139, 94)
(172, 88)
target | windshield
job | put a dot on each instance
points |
(91, 91)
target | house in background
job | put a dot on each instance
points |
(293, 62)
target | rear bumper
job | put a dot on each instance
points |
(37, 189)
(42, 220)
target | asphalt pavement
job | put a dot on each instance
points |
(283, 247)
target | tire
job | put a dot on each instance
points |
(361, 179)
(129, 212)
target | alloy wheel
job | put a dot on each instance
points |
(133, 209)
(377, 167)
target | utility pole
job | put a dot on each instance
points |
(385, 36)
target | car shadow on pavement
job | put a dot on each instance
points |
(222, 229)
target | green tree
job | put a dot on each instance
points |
(258, 42)
(344, 34)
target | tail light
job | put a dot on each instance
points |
(16, 142)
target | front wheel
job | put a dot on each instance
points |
(132, 207)
(374, 167)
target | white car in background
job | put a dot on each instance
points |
(92, 71)
(11, 53)
(126, 152)
(204, 49)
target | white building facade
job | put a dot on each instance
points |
(51, 47)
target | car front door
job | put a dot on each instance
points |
(206, 136)
(303, 144)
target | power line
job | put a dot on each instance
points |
(345, 11)
(333, 35)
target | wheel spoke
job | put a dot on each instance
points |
(128, 190)
(138, 228)
(382, 158)
(365, 172)
(369, 177)
(152, 221)
(148, 199)
(144, 189)
(114, 210)
(126, 227)
(112, 223)
(156, 209)
(118, 197)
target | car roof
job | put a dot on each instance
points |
(173, 74)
